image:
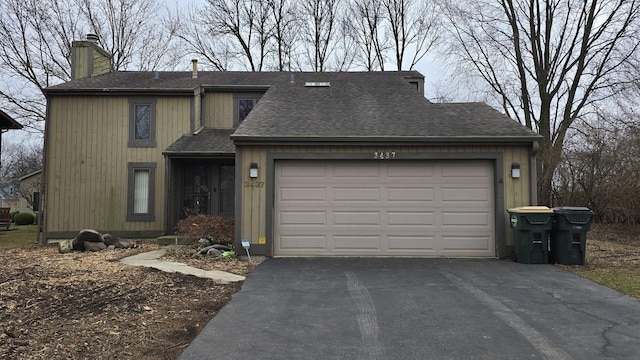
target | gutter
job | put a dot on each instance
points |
(121, 91)
(376, 140)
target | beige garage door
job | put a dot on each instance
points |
(384, 208)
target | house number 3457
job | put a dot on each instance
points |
(384, 155)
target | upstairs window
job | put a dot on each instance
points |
(142, 122)
(244, 103)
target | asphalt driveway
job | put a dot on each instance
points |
(368, 308)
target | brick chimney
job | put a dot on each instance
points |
(88, 58)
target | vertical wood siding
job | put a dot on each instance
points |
(87, 160)
(253, 216)
(218, 110)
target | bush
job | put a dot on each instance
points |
(13, 215)
(216, 229)
(24, 219)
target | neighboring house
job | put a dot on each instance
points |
(9, 198)
(308, 163)
(30, 192)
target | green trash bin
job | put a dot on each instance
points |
(531, 232)
(569, 235)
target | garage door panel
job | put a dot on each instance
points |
(466, 219)
(465, 194)
(385, 208)
(413, 219)
(356, 242)
(466, 243)
(303, 171)
(355, 171)
(305, 194)
(303, 218)
(411, 172)
(466, 170)
(417, 243)
(357, 218)
(355, 194)
(303, 242)
(411, 193)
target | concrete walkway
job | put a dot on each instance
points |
(150, 259)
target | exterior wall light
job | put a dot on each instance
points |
(253, 170)
(515, 171)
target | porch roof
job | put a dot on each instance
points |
(208, 141)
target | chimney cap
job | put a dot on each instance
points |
(93, 38)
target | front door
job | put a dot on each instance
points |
(208, 188)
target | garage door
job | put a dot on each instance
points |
(384, 208)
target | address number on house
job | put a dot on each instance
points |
(255, 184)
(384, 155)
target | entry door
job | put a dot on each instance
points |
(208, 188)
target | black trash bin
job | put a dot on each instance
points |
(569, 235)
(531, 231)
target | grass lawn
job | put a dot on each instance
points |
(612, 258)
(18, 235)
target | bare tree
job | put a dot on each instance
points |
(365, 24)
(19, 160)
(130, 30)
(411, 24)
(321, 18)
(35, 46)
(284, 25)
(198, 40)
(547, 62)
(35, 49)
(243, 26)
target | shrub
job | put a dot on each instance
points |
(216, 229)
(13, 215)
(24, 219)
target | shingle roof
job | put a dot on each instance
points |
(377, 106)
(206, 142)
(357, 106)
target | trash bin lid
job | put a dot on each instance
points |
(572, 209)
(530, 209)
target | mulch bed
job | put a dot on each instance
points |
(89, 306)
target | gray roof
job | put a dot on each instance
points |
(375, 106)
(176, 81)
(357, 106)
(206, 142)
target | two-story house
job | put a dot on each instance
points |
(352, 163)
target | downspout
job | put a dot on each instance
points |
(533, 178)
(43, 179)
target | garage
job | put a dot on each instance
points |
(407, 208)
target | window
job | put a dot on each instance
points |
(141, 192)
(244, 103)
(142, 122)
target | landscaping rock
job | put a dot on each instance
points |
(118, 242)
(90, 236)
(214, 252)
(65, 246)
(77, 244)
(94, 246)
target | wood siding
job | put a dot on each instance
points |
(80, 61)
(87, 157)
(218, 110)
(101, 63)
(254, 213)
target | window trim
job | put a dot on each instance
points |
(236, 103)
(151, 141)
(132, 167)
